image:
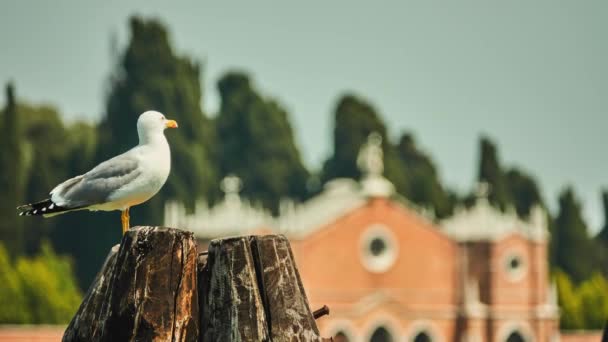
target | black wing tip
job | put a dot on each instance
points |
(40, 208)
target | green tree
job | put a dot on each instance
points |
(423, 186)
(584, 306)
(256, 143)
(491, 173)
(571, 248)
(411, 170)
(511, 188)
(523, 191)
(49, 286)
(11, 175)
(594, 301)
(569, 303)
(602, 237)
(37, 290)
(11, 293)
(354, 120)
(46, 146)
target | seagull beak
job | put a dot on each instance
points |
(171, 124)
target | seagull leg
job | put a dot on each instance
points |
(128, 218)
(124, 218)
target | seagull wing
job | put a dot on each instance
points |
(92, 188)
(96, 186)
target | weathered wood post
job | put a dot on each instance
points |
(145, 291)
(250, 290)
(156, 288)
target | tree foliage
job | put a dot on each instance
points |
(524, 192)
(255, 142)
(491, 173)
(411, 170)
(512, 188)
(37, 290)
(602, 237)
(584, 306)
(12, 180)
(572, 249)
(354, 120)
(423, 185)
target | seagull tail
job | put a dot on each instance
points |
(43, 208)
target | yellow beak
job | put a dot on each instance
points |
(171, 124)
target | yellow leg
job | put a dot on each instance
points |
(124, 217)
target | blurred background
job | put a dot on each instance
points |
(283, 96)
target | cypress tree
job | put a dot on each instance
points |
(423, 185)
(572, 250)
(491, 173)
(11, 175)
(354, 120)
(255, 142)
(523, 191)
(602, 237)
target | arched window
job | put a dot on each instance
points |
(515, 337)
(422, 337)
(381, 334)
(341, 337)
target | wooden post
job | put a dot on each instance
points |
(288, 314)
(85, 323)
(146, 291)
(231, 306)
(156, 288)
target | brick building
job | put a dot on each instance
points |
(389, 272)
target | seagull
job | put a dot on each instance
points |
(119, 183)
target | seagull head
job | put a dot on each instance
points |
(152, 123)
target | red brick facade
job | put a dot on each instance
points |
(435, 288)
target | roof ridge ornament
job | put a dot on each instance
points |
(231, 185)
(371, 163)
(371, 158)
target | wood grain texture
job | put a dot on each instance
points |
(146, 292)
(231, 306)
(287, 310)
(156, 287)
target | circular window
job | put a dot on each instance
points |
(515, 266)
(378, 249)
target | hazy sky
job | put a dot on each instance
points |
(531, 75)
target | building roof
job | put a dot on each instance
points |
(234, 216)
(483, 222)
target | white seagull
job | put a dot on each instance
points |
(119, 183)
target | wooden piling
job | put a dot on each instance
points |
(156, 287)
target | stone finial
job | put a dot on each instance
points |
(231, 185)
(370, 159)
(483, 190)
(371, 164)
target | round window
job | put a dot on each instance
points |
(378, 248)
(515, 266)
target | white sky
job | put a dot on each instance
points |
(534, 77)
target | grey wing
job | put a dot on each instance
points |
(95, 186)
